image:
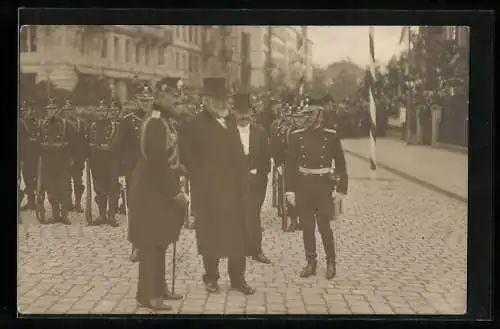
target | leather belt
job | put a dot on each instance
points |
(54, 145)
(319, 171)
(100, 146)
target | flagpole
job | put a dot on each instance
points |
(408, 91)
(373, 110)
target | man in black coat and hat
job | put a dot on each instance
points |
(157, 204)
(257, 150)
(217, 167)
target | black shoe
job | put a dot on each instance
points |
(261, 258)
(244, 288)
(171, 296)
(134, 255)
(155, 304)
(309, 269)
(212, 287)
(65, 220)
(100, 220)
(112, 221)
(330, 269)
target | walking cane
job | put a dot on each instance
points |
(284, 211)
(39, 197)
(125, 201)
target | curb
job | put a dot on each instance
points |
(411, 178)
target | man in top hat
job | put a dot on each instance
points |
(80, 153)
(126, 142)
(57, 138)
(103, 164)
(256, 148)
(157, 202)
(217, 167)
(314, 161)
(29, 151)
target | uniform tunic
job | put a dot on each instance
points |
(29, 151)
(79, 154)
(315, 149)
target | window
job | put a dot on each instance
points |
(104, 47)
(127, 50)
(161, 55)
(196, 31)
(82, 44)
(116, 49)
(195, 63)
(184, 33)
(177, 61)
(190, 34)
(183, 63)
(147, 50)
(178, 32)
(32, 38)
(137, 53)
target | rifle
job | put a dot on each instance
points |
(39, 197)
(88, 195)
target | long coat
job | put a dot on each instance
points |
(155, 220)
(218, 171)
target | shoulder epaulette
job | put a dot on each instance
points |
(297, 131)
(330, 130)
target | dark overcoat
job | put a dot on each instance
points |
(154, 218)
(218, 171)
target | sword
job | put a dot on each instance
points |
(39, 196)
(284, 211)
(88, 195)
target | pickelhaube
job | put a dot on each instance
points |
(102, 106)
(67, 105)
(144, 92)
(51, 105)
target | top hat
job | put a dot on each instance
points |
(169, 83)
(215, 87)
(241, 102)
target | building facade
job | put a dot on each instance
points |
(286, 52)
(88, 63)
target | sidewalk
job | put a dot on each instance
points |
(442, 170)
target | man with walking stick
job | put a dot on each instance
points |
(156, 202)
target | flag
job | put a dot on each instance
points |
(404, 34)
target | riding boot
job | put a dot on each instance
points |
(78, 203)
(294, 225)
(309, 269)
(330, 268)
(56, 212)
(113, 205)
(102, 212)
(31, 205)
(64, 213)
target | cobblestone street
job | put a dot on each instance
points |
(401, 249)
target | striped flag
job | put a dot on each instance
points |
(373, 110)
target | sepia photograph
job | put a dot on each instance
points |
(236, 169)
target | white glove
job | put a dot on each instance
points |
(280, 170)
(290, 197)
(121, 180)
(337, 196)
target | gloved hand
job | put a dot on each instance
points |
(181, 199)
(337, 196)
(290, 197)
(280, 170)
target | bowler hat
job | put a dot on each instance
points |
(241, 102)
(215, 87)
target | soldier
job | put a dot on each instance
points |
(79, 154)
(103, 164)
(29, 150)
(57, 138)
(126, 142)
(311, 182)
(282, 127)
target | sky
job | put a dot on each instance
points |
(335, 43)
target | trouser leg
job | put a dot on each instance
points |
(211, 265)
(236, 267)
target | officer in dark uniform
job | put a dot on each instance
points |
(29, 150)
(316, 173)
(57, 138)
(79, 154)
(103, 164)
(126, 142)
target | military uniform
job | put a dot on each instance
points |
(104, 167)
(57, 138)
(29, 151)
(310, 179)
(79, 155)
(278, 141)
